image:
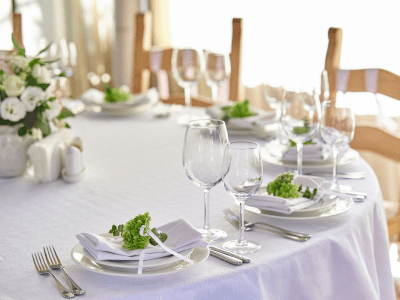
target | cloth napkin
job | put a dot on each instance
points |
(317, 152)
(261, 118)
(265, 201)
(96, 97)
(47, 155)
(181, 236)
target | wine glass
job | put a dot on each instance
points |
(218, 68)
(274, 95)
(337, 129)
(187, 68)
(300, 122)
(203, 154)
(242, 176)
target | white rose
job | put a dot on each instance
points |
(37, 71)
(12, 109)
(31, 96)
(46, 76)
(54, 110)
(21, 62)
(13, 85)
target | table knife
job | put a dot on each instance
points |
(227, 258)
(235, 255)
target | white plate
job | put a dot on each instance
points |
(349, 157)
(199, 254)
(134, 264)
(341, 206)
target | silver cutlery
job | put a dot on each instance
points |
(55, 264)
(349, 175)
(281, 233)
(230, 214)
(230, 259)
(43, 269)
(361, 195)
(229, 253)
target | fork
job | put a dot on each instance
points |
(55, 263)
(234, 220)
(43, 269)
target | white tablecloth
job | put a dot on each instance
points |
(135, 165)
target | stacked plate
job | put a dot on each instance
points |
(151, 268)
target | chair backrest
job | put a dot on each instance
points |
(142, 57)
(17, 31)
(364, 80)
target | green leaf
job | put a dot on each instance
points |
(49, 61)
(65, 113)
(15, 43)
(44, 126)
(67, 126)
(43, 50)
(22, 131)
(43, 86)
(34, 62)
(62, 74)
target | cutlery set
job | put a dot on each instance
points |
(53, 262)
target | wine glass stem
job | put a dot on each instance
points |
(279, 132)
(300, 158)
(241, 241)
(335, 152)
(206, 210)
(214, 92)
(187, 96)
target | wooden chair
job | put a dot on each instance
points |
(141, 61)
(367, 138)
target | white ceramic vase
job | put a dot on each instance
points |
(13, 151)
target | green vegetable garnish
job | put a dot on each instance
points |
(130, 233)
(309, 142)
(283, 187)
(116, 94)
(238, 110)
(303, 130)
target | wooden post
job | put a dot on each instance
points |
(235, 90)
(17, 28)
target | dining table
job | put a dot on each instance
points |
(134, 165)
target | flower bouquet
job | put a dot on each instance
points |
(26, 98)
(28, 108)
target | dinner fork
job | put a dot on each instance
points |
(43, 269)
(55, 263)
(234, 220)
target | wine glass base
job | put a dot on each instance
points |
(246, 247)
(213, 235)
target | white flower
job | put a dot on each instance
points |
(42, 74)
(31, 96)
(21, 62)
(13, 85)
(12, 109)
(54, 111)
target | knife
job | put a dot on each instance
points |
(241, 257)
(227, 258)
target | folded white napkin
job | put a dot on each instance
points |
(47, 155)
(96, 97)
(265, 201)
(181, 236)
(261, 118)
(317, 152)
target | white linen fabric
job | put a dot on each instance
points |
(181, 236)
(134, 166)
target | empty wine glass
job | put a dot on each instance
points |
(187, 68)
(243, 173)
(274, 95)
(300, 122)
(203, 154)
(337, 129)
(218, 69)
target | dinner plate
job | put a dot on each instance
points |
(339, 207)
(198, 255)
(134, 264)
(347, 158)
